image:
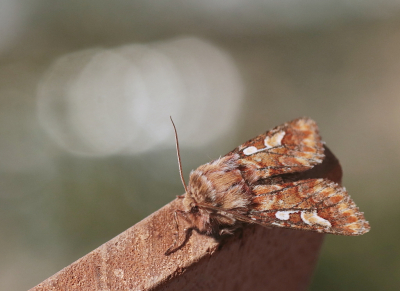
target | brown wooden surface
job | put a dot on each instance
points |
(256, 258)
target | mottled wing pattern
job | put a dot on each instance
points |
(292, 147)
(312, 204)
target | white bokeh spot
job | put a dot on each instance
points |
(118, 101)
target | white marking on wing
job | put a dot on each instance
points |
(275, 140)
(269, 142)
(284, 215)
(250, 150)
(311, 218)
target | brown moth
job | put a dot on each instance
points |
(255, 183)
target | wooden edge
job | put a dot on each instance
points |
(255, 258)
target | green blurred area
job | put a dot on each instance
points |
(345, 74)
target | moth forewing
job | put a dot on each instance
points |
(247, 185)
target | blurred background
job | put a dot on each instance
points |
(87, 88)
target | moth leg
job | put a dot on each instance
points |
(188, 232)
(230, 226)
(226, 231)
(229, 230)
(180, 196)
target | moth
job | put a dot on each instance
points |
(257, 183)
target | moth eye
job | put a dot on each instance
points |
(194, 208)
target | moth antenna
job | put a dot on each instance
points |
(179, 155)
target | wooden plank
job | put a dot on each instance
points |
(255, 258)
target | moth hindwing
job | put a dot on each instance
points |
(258, 183)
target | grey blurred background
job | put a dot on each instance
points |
(87, 88)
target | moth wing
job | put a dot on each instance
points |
(295, 146)
(313, 204)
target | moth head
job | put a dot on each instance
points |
(189, 204)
